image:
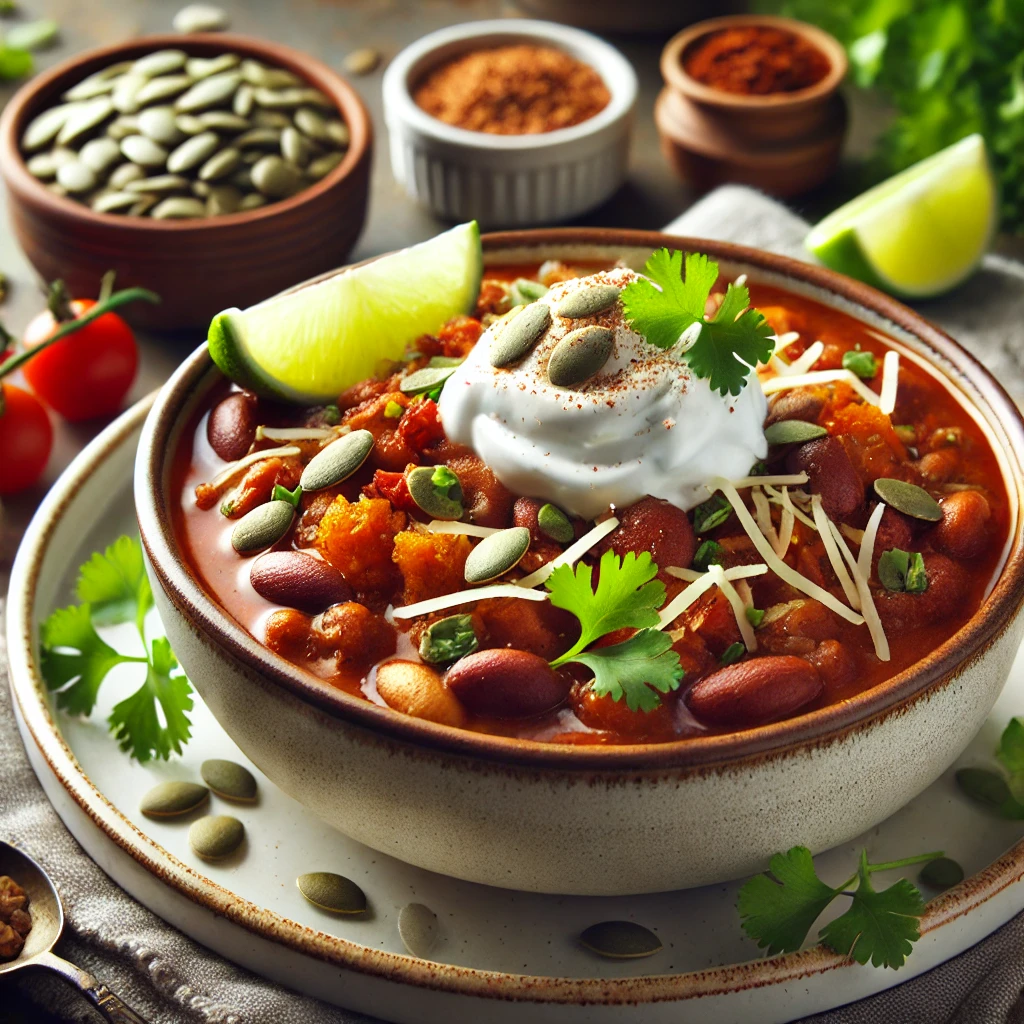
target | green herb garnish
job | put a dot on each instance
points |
(280, 493)
(755, 616)
(709, 553)
(627, 596)
(711, 513)
(778, 908)
(112, 588)
(863, 364)
(448, 639)
(663, 306)
(732, 653)
(903, 571)
(1002, 793)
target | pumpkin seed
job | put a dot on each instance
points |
(793, 432)
(122, 176)
(163, 89)
(159, 124)
(209, 92)
(125, 95)
(143, 205)
(99, 83)
(32, 35)
(420, 381)
(224, 120)
(338, 133)
(193, 152)
(323, 165)
(362, 62)
(260, 75)
(519, 333)
(270, 119)
(179, 208)
(111, 202)
(243, 179)
(496, 554)
(983, 786)
(42, 166)
(253, 201)
(83, 118)
(159, 62)
(200, 18)
(523, 291)
(274, 178)
(189, 124)
(99, 154)
(44, 127)
(588, 301)
(216, 836)
(76, 177)
(620, 940)
(159, 183)
(329, 891)
(220, 164)
(437, 490)
(244, 101)
(168, 799)
(311, 123)
(222, 199)
(123, 126)
(418, 929)
(229, 780)
(942, 873)
(448, 640)
(554, 523)
(337, 461)
(268, 137)
(909, 499)
(204, 67)
(143, 151)
(288, 99)
(294, 148)
(579, 355)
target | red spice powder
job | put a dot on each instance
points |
(512, 90)
(755, 61)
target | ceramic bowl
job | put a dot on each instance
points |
(552, 818)
(782, 143)
(197, 266)
(508, 180)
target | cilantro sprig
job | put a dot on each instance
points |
(1002, 792)
(112, 588)
(627, 596)
(779, 907)
(665, 305)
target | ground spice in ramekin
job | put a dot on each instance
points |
(755, 60)
(512, 90)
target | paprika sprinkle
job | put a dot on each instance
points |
(755, 61)
(512, 90)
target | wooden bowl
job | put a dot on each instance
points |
(197, 266)
(782, 143)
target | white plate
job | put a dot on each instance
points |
(499, 948)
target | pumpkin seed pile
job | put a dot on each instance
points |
(171, 136)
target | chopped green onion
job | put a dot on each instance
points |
(755, 616)
(903, 571)
(733, 653)
(711, 513)
(863, 364)
(709, 553)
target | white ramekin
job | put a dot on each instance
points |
(508, 180)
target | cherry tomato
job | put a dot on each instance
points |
(26, 438)
(88, 373)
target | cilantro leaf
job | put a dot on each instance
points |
(627, 595)
(134, 720)
(879, 926)
(1011, 747)
(636, 668)
(114, 583)
(663, 305)
(778, 909)
(75, 659)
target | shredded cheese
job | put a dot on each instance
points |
(857, 536)
(737, 572)
(799, 380)
(803, 363)
(684, 599)
(890, 382)
(786, 524)
(874, 623)
(779, 342)
(775, 497)
(234, 468)
(763, 515)
(298, 433)
(436, 604)
(824, 527)
(791, 576)
(738, 608)
(570, 554)
(867, 545)
(464, 529)
(782, 480)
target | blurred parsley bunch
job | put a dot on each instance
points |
(948, 67)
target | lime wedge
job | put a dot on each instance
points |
(311, 344)
(921, 232)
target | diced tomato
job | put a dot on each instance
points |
(394, 487)
(420, 426)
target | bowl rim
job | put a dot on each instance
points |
(22, 184)
(676, 77)
(615, 70)
(190, 597)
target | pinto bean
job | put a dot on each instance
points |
(297, 580)
(291, 634)
(655, 525)
(963, 530)
(755, 692)
(417, 690)
(231, 428)
(938, 466)
(831, 474)
(350, 632)
(506, 683)
(796, 404)
(944, 597)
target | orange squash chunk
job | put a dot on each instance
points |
(357, 538)
(431, 564)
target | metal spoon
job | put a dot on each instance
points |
(47, 924)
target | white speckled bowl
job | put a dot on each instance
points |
(553, 818)
(508, 180)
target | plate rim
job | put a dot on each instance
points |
(28, 692)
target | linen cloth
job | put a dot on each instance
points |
(170, 979)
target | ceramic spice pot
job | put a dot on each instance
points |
(783, 143)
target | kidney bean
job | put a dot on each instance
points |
(601, 712)
(755, 692)
(417, 690)
(350, 632)
(796, 404)
(231, 427)
(947, 586)
(538, 627)
(796, 627)
(506, 683)
(837, 663)
(713, 618)
(655, 525)
(297, 580)
(894, 531)
(831, 474)
(963, 530)
(488, 502)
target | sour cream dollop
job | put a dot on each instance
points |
(644, 425)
